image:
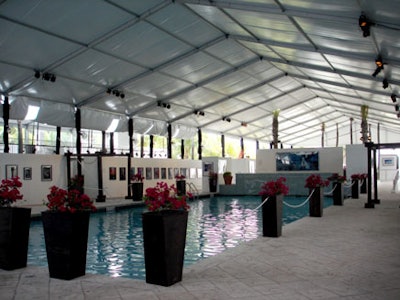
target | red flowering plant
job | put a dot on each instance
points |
(180, 177)
(9, 191)
(68, 201)
(164, 197)
(313, 181)
(273, 188)
(337, 178)
(359, 176)
(137, 177)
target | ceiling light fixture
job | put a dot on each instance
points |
(393, 97)
(365, 25)
(226, 119)
(116, 93)
(385, 83)
(379, 65)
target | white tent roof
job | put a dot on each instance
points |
(238, 59)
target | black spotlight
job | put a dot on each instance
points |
(52, 78)
(37, 74)
(379, 65)
(396, 107)
(46, 76)
(365, 25)
(117, 93)
(393, 97)
(385, 83)
(122, 95)
(108, 91)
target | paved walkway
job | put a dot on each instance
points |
(349, 253)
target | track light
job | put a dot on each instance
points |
(226, 119)
(116, 93)
(244, 124)
(365, 25)
(199, 113)
(396, 107)
(385, 83)
(393, 97)
(46, 76)
(379, 65)
(162, 104)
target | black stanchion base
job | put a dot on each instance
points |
(369, 205)
(376, 201)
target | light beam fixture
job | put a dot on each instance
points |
(379, 65)
(365, 25)
(394, 98)
(385, 83)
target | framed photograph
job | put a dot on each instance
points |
(170, 173)
(192, 173)
(156, 173)
(140, 171)
(297, 161)
(47, 173)
(122, 173)
(163, 173)
(27, 173)
(149, 173)
(132, 173)
(11, 171)
(113, 173)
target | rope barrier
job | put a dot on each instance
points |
(330, 192)
(349, 185)
(266, 199)
(301, 204)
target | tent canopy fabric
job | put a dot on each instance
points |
(221, 66)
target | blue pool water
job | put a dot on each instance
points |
(115, 245)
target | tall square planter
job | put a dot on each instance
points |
(14, 237)
(272, 216)
(337, 193)
(66, 238)
(363, 187)
(164, 240)
(137, 191)
(355, 189)
(316, 202)
(181, 187)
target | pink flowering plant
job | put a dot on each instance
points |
(68, 201)
(164, 197)
(359, 176)
(337, 178)
(137, 177)
(273, 188)
(9, 191)
(313, 181)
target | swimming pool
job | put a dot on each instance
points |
(115, 246)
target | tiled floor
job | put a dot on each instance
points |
(350, 253)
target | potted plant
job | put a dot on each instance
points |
(228, 177)
(14, 226)
(337, 194)
(137, 187)
(164, 234)
(316, 185)
(66, 225)
(272, 193)
(212, 181)
(180, 184)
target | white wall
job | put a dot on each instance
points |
(35, 190)
(330, 159)
(356, 160)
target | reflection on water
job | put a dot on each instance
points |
(115, 245)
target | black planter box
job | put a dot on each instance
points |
(164, 240)
(337, 193)
(355, 189)
(14, 237)
(363, 187)
(316, 202)
(137, 191)
(181, 187)
(272, 216)
(66, 238)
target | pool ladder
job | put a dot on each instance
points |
(193, 189)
